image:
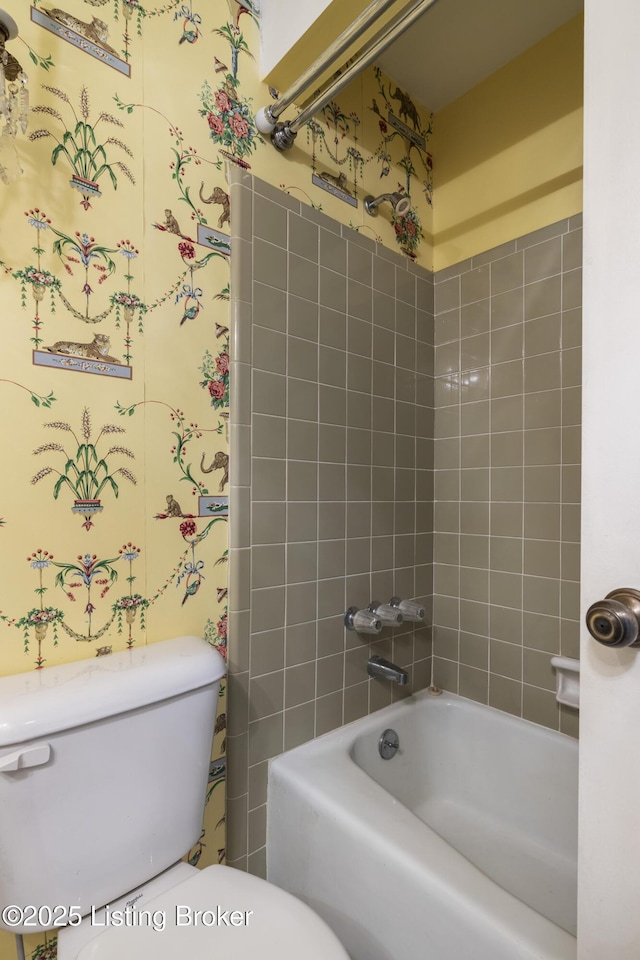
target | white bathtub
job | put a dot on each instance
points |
(461, 847)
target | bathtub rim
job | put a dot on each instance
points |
(377, 718)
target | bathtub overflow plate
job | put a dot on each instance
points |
(388, 744)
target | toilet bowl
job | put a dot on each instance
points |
(200, 914)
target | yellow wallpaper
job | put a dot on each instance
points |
(115, 271)
(115, 267)
(509, 152)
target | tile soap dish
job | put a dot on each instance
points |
(567, 681)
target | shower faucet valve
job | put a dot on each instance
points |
(413, 612)
(390, 616)
(362, 621)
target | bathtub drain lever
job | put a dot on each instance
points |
(388, 744)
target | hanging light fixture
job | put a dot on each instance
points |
(14, 101)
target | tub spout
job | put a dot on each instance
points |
(379, 667)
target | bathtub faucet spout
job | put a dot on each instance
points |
(379, 667)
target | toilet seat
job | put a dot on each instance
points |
(239, 916)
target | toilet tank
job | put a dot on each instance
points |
(103, 773)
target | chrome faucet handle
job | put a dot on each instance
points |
(362, 621)
(390, 616)
(413, 612)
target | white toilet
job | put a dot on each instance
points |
(103, 773)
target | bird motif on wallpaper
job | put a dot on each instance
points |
(189, 36)
(192, 569)
(190, 312)
(191, 588)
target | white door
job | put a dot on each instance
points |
(609, 858)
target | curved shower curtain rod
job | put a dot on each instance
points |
(283, 134)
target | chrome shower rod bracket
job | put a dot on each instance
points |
(283, 137)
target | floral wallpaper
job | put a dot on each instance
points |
(114, 267)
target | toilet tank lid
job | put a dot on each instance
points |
(58, 698)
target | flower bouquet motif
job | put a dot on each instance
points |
(230, 121)
(128, 303)
(216, 377)
(39, 280)
(129, 7)
(39, 619)
(216, 632)
(408, 231)
(128, 606)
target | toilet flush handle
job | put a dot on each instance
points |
(32, 756)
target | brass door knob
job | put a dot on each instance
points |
(615, 621)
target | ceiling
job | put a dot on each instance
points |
(457, 43)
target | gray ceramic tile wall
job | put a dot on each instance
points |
(331, 477)
(507, 472)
